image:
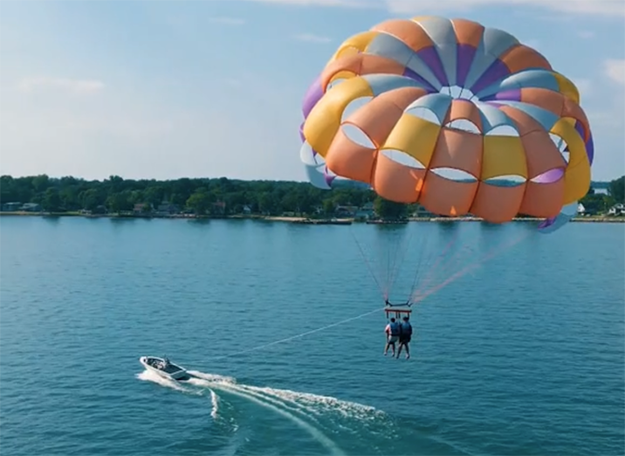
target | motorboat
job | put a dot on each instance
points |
(164, 368)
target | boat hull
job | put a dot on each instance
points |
(174, 372)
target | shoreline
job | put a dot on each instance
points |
(295, 219)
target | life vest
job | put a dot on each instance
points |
(395, 329)
(406, 329)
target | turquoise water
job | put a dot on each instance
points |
(521, 356)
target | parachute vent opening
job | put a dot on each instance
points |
(402, 158)
(549, 177)
(511, 180)
(464, 125)
(357, 136)
(453, 174)
(503, 130)
(562, 146)
(354, 106)
(424, 113)
(459, 93)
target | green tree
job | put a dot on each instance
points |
(290, 202)
(306, 203)
(40, 183)
(154, 195)
(267, 203)
(389, 210)
(341, 197)
(69, 198)
(51, 201)
(328, 206)
(199, 202)
(597, 203)
(91, 199)
(118, 202)
(616, 188)
(266, 197)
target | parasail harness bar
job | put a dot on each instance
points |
(395, 309)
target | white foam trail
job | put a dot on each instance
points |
(307, 405)
(213, 381)
(149, 376)
(209, 377)
(284, 402)
(229, 384)
(215, 402)
(314, 432)
(296, 408)
(312, 404)
(318, 404)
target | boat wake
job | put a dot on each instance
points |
(319, 416)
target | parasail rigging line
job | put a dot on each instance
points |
(417, 299)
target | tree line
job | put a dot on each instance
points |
(218, 195)
(203, 196)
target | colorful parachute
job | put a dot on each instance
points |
(449, 95)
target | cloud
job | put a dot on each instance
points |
(595, 7)
(586, 34)
(77, 86)
(615, 70)
(342, 3)
(227, 20)
(311, 38)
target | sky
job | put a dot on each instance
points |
(167, 89)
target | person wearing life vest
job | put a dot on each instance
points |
(405, 334)
(392, 335)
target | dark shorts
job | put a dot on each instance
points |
(404, 339)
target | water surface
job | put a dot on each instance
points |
(521, 356)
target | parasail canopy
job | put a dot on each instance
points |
(400, 106)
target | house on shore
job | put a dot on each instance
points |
(11, 207)
(166, 208)
(31, 207)
(617, 209)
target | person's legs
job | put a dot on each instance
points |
(403, 342)
(390, 343)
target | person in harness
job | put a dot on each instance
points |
(405, 334)
(392, 335)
